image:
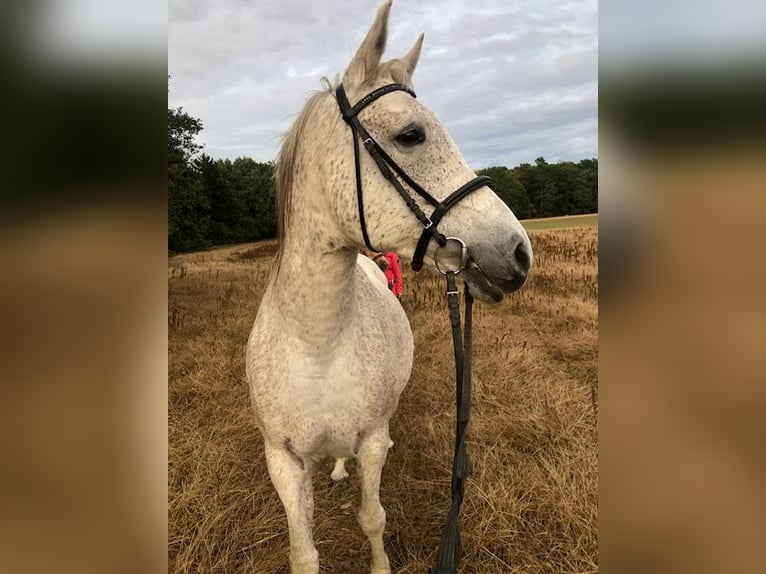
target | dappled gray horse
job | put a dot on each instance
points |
(331, 348)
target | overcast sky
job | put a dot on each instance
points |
(512, 81)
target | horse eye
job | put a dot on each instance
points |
(412, 135)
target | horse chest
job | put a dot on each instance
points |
(323, 396)
(350, 379)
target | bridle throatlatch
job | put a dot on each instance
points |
(450, 547)
(386, 164)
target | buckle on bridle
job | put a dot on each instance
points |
(430, 223)
(463, 256)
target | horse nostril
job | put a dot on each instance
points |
(522, 257)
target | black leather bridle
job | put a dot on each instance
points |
(386, 164)
(450, 547)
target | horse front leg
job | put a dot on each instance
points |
(292, 479)
(372, 517)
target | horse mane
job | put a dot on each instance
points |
(285, 168)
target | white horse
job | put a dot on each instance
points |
(331, 348)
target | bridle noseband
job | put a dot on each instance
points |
(386, 164)
(450, 548)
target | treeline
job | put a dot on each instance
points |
(547, 189)
(214, 202)
(221, 201)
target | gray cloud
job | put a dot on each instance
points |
(511, 82)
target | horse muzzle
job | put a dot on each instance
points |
(491, 272)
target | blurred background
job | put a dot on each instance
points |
(83, 248)
(82, 286)
(682, 88)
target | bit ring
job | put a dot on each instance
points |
(463, 256)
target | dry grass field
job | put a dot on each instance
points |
(531, 501)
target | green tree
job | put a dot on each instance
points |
(589, 169)
(253, 188)
(262, 204)
(188, 210)
(510, 189)
(188, 205)
(241, 195)
(224, 209)
(531, 178)
(182, 131)
(563, 188)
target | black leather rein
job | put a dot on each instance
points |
(450, 547)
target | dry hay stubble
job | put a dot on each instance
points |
(531, 501)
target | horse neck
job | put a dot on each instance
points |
(314, 286)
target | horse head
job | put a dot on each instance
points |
(366, 205)
(500, 254)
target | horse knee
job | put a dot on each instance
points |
(372, 519)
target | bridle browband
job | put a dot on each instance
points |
(450, 547)
(386, 164)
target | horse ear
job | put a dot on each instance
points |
(364, 66)
(411, 59)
